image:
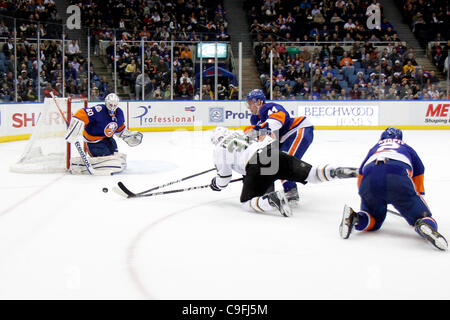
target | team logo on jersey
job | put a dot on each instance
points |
(110, 129)
(216, 114)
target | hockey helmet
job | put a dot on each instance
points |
(256, 94)
(218, 134)
(112, 102)
(252, 99)
(392, 133)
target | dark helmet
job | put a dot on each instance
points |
(392, 133)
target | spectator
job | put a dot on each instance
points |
(346, 61)
(73, 50)
(233, 92)
(409, 69)
(142, 81)
(95, 94)
(355, 93)
(5, 93)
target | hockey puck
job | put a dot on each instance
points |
(105, 190)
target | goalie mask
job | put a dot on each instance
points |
(112, 102)
(218, 134)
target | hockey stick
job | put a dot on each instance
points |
(169, 191)
(130, 194)
(394, 212)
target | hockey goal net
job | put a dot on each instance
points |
(46, 150)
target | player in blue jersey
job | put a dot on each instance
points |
(295, 134)
(392, 173)
(98, 125)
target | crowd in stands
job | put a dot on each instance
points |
(428, 20)
(360, 71)
(356, 63)
(351, 65)
(430, 23)
(161, 22)
(33, 19)
(310, 20)
(185, 20)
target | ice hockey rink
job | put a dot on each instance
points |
(62, 237)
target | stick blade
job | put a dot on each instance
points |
(125, 190)
(120, 192)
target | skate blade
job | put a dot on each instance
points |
(285, 209)
(434, 237)
(344, 228)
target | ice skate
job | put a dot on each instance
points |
(293, 197)
(349, 220)
(278, 200)
(344, 172)
(430, 234)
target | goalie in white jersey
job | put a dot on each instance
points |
(261, 165)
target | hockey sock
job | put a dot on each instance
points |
(257, 204)
(365, 221)
(319, 174)
(288, 185)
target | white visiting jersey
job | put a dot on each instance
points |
(234, 152)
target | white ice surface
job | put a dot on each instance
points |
(61, 237)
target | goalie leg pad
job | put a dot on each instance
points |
(102, 165)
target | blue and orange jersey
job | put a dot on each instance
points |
(99, 124)
(273, 116)
(397, 150)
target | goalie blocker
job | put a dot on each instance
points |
(97, 126)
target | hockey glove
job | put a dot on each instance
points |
(132, 138)
(214, 185)
(75, 130)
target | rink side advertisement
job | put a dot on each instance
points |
(17, 121)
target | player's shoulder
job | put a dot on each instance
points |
(97, 108)
(271, 106)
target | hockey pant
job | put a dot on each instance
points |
(261, 174)
(296, 145)
(105, 147)
(386, 183)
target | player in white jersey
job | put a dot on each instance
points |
(261, 163)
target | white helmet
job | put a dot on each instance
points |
(218, 134)
(112, 102)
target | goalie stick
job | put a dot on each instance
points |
(119, 191)
(130, 194)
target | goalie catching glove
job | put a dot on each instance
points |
(132, 138)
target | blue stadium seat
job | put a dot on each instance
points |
(343, 84)
(351, 79)
(360, 70)
(349, 71)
